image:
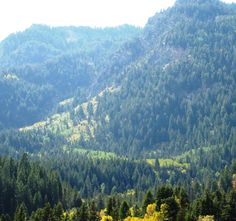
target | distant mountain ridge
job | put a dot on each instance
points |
(179, 94)
(40, 43)
(91, 127)
(169, 93)
(58, 61)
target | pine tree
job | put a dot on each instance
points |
(148, 199)
(47, 213)
(58, 212)
(109, 206)
(93, 214)
(124, 210)
(21, 213)
(83, 213)
(113, 208)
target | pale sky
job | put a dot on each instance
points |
(17, 15)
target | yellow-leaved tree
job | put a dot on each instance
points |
(106, 218)
(152, 214)
(206, 218)
(151, 209)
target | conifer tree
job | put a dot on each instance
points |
(148, 199)
(58, 212)
(83, 213)
(124, 210)
(21, 213)
(93, 214)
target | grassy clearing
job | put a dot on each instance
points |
(168, 164)
(173, 163)
(95, 154)
(151, 162)
(65, 125)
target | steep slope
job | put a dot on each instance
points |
(181, 94)
(40, 43)
(52, 61)
(160, 110)
(165, 111)
(168, 91)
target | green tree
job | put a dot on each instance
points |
(207, 205)
(124, 210)
(83, 213)
(148, 199)
(57, 212)
(93, 212)
(21, 213)
(229, 209)
(47, 213)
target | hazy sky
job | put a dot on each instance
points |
(17, 15)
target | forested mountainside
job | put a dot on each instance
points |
(31, 192)
(172, 89)
(181, 94)
(40, 43)
(41, 66)
(124, 112)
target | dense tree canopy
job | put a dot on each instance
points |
(121, 124)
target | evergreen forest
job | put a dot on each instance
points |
(122, 123)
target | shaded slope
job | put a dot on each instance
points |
(40, 43)
(62, 61)
(173, 88)
(181, 93)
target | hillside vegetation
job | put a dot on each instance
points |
(42, 66)
(132, 124)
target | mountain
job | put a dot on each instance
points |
(155, 111)
(43, 66)
(40, 43)
(168, 91)
(179, 94)
(167, 96)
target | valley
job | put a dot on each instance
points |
(121, 123)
